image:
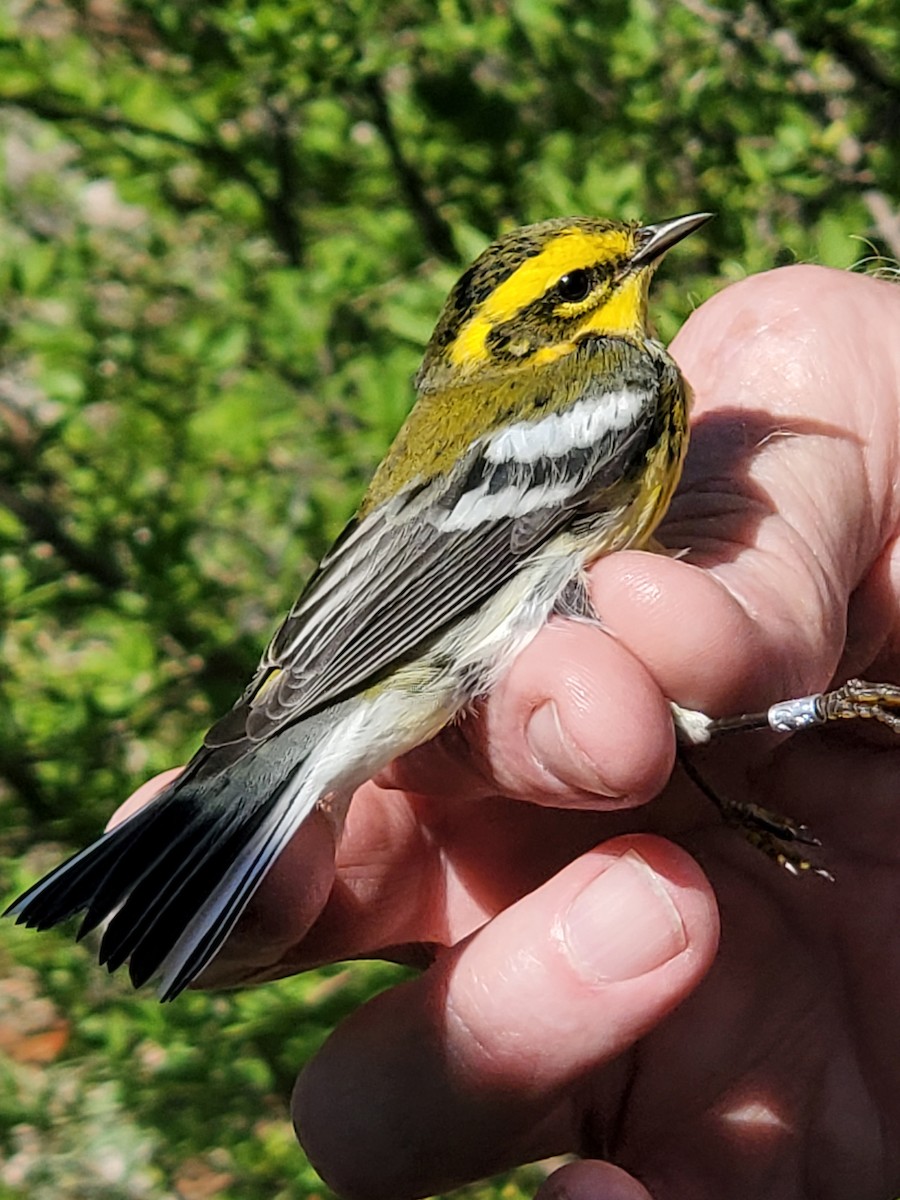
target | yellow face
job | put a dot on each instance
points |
(574, 278)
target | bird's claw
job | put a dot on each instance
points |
(777, 836)
(858, 699)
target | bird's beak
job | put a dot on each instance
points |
(654, 240)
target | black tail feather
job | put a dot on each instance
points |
(70, 888)
(204, 947)
(175, 876)
(153, 895)
(118, 880)
(158, 911)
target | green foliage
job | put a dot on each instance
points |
(225, 232)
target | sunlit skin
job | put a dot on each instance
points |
(532, 1034)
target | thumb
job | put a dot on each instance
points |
(787, 502)
(481, 1061)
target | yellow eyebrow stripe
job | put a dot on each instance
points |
(570, 249)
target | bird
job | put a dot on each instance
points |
(549, 429)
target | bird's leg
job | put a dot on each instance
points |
(856, 699)
(778, 836)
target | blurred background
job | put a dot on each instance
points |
(226, 231)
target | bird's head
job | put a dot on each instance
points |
(532, 294)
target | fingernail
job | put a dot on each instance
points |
(623, 924)
(557, 754)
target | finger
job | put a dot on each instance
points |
(872, 646)
(788, 498)
(795, 418)
(577, 721)
(479, 1060)
(415, 875)
(591, 1180)
(699, 643)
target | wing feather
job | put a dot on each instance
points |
(399, 576)
(449, 575)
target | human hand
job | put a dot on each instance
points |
(559, 944)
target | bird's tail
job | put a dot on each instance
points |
(174, 877)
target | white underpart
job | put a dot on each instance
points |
(485, 645)
(582, 425)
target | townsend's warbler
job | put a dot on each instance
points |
(549, 429)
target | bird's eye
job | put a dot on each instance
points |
(574, 286)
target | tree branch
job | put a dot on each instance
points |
(281, 207)
(435, 230)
